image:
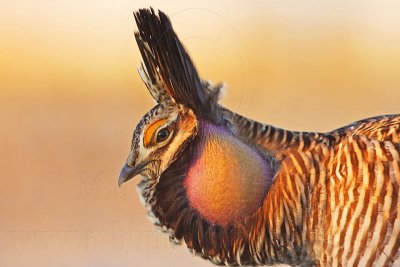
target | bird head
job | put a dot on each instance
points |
(182, 99)
(158, 139)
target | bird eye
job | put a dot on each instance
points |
(162, 135)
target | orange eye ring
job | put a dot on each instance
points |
(151, 130)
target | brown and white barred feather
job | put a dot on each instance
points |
(337, 192)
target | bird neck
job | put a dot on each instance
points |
(275, 140)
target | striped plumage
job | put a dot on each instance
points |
(331, 199)
(341, 188)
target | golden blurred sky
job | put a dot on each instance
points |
(70, 97)
(323, 53)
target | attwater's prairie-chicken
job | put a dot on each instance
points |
(240, 192)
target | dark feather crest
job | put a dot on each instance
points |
(168, 67)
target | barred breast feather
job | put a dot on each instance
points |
(338, 191)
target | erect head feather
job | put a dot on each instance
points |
(167, 69)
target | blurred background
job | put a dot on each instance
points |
(70, 98)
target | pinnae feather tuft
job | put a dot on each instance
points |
(168, 68)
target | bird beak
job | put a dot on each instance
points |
(129, 172)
